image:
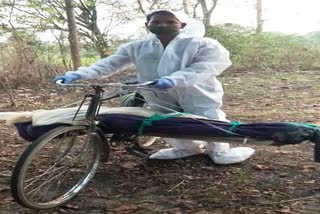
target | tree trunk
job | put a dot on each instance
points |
(102, 46)
(89, 20)
(9, 92)
(185, 7)
(73, 35)
(207, 12)
(259, 27)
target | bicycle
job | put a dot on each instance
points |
(62, 160)
(74, 144)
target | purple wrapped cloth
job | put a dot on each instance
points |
(183, 127)
(281, 133)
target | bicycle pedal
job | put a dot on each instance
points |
(135, 152)
(137, 146)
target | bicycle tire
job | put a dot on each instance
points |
(74, 136)
(132, 100)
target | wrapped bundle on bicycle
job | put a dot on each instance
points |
(67, 143)
(136, 121)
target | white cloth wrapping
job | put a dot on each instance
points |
(66, 115)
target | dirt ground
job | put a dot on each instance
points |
(274, 180)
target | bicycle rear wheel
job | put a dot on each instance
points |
(55, 167)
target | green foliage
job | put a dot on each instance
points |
(268, 50)
(313, 38)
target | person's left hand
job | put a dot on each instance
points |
(67, 78)
(163, 83)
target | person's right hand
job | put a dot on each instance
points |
(67, 78)
(163, 83)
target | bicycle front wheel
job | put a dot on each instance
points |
(55, 167)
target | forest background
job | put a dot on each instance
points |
(41, 38)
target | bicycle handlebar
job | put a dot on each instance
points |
(148, 83)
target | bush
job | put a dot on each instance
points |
(24, 60)
(266, 50)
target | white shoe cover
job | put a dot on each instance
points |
(193, 146)
(181, 148)
(221, 153)
(172, 153)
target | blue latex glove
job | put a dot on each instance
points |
(163, 83)
(67, 78)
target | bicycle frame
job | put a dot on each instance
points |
(92, 122)
(96, 99)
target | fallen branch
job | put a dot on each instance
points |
(291, 200)
(176, 186)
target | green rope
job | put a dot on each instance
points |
(234, 125)
(156, 117)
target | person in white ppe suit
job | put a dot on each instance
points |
(182, 65)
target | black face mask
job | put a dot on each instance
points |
(161, 30)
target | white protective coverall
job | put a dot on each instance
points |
(192, 62)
